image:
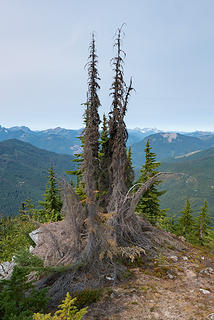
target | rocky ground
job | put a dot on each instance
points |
(176, 285)
(179, 286)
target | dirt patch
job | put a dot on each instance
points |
(185, 291)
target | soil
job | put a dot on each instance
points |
(178, 286)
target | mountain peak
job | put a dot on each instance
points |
(18, 128)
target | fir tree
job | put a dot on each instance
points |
(202, 224)
(19, 297)
(186, 222)
(78, 173)
(27, 207)
(52, 203)
(130, 172)
(149, 204)
(104, 137)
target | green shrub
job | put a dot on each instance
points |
(68, 311)
(19, 298)
(87, 297)
(14, 234)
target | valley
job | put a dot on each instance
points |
(24, 171)
(25, 157)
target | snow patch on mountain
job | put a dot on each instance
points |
(170, 136)
(147, 130)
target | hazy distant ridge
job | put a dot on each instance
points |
(65, 141)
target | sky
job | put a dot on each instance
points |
(170, 56)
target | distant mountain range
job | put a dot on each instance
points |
(66, 141)
(23, 173)
(57, 140)
(61, 140)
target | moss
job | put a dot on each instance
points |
(128, 274)
(134, 302)
(170, 246)
(144, 289)
(177, 268)
(138, 262)
(108, 291)
(87, 297)
(161, 271)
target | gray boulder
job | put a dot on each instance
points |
(6, 269)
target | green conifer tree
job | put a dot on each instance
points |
(103, 181)
(27, 207)
(104, 137)
(79, 183)
(52, 203)
(149, 204)
(186, 222)
(202, 224)
(130, 173)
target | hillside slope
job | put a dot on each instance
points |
(23, 172)
(169, 146)
(197, 183)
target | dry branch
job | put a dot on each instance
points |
(146, 186)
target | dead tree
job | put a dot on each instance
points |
(117, 226)
(90, 167)
(119, 166)
(116, 230)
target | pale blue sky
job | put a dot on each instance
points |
(170, 55)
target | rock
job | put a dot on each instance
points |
(191, 275)
(156, 315)
(182, 238)
(202, 258)
(204, 291)
(207, 271)
(185, 258)
(31, 249)
(6, 269)
(174, 258)
(110, 278)
(35, 235)
(170, 276)
(210, 316)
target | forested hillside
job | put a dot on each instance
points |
(197, 183)
(23, 170)
(170, 146)
(23, 173)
